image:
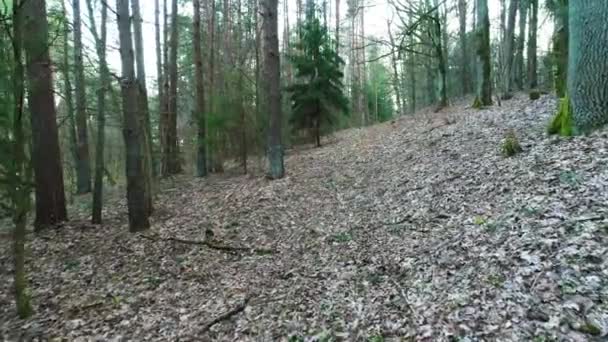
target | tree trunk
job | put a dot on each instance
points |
(532, 36)
(173, 150)
(508, 49)
(104, 83)
(67, 89)
(518, 67)
(484, 66)
(132, 131)
(395, 70)
(19, 192)
(338, 27)
(164, 101)
(588, 58)
(412, 72)
(46, 156)
(462, 33)
(560, 48)
(201, 159)
(144, 111)
(272, 94)
(83, 165)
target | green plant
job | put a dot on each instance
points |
(534, 94)
(341, 237)
(510, 145)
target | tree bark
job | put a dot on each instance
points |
(144, 111)
(104, 83)
(18, 174)
(532, 36)
(560, 48)
(587, 65)
(132, 130)
(46, 156)
(173, 158)
(83, 165)
(165, 110)
(272, 94)
(462, 33)
(508, 49)
(518, 67)
(67, 89)
(201, 159)
(484, 66)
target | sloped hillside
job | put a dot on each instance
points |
(419, 229)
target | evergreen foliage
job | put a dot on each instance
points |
(317, 96)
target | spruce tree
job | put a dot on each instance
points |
(318, 95)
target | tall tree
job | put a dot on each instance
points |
(532, 39)
(587, 63)
(46, 156)
(396, 78)
(484, 66)
(272, 93)
(464, 49)
(518, 64)
(173, 166)
(508, 50)
(159, 63)
(132, 130)
(201, 158)
(144, 111)
(559, 10)
(83, 165)
(104, 82)
(18, 172)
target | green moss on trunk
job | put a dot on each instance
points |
(562, 121)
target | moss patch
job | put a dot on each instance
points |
(534, 95)
(477, 103)
(562, 123)
(511, 145)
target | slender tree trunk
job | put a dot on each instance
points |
(165, 110)
(484, 66)
(67, 89)
(19, 192)
(412, 72)
(395, 70)
(132, 131)
(272, 94)
(104, 83)
(363, 65)
(508, 49)
(159, 74)
(201, 159)
(46, 156)
(518, 72)
(144, 111)
(464, 66)
(560, 48)
(532, 36)
(174, 162)
(588, 61)
(338, 27)
(83, 166)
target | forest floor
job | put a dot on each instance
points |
(417, 229)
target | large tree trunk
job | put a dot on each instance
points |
(144, 111)
(46, 156)
(18, 174)
(484, 66)
(518, 67)
(201, 158)
(462, 34)
(272, 84)
(83, 165)
(508, 49)
(532, 39)
(588, 60)
(104, 83)
(132, 131)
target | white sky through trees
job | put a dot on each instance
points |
(377, 13)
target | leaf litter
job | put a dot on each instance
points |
(416, 229)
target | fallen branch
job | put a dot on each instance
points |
(209, 244)
(225, 316)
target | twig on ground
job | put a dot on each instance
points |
(219, 247)
(225, 316)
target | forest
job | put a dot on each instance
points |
(304, 170)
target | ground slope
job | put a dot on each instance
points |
(413, 230)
